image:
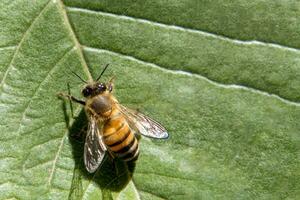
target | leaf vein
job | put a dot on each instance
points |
(167, 176)
(39, 87)
(21, 41)
(152, 193)
(60, 148)
(135, 190)
(39, 164)
(56, 157)
(8, 47)
(180, 72)
(39, 128)
(43, 143)
(176, 27)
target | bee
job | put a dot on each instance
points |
(112, 127)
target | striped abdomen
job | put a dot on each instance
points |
(119, 138)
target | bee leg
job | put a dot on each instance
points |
(111, 156)
(72, 98)
(113, 161)
(115, 167)
(71, 105)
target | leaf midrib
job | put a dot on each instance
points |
(73, 36)
(78, 47)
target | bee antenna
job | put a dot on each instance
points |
(79, 77)
(102, 72)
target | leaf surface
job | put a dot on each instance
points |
(233, 114)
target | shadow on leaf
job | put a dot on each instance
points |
(112, 174)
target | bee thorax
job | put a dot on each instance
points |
(101, 105)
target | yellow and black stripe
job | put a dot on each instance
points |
(119, 138)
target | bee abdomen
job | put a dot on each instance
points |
(119, 138)
(129, 152)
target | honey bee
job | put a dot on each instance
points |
(112, 127)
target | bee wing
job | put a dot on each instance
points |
(94, 148)
(144, 124)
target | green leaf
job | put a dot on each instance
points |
(221, 76)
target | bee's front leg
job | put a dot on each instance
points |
(72, 98)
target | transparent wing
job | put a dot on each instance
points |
(143, 124)
(94, 148)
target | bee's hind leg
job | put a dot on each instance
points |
(112, 159)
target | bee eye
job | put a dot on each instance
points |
(87, 91)
(101, 87)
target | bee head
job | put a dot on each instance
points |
(94, 89)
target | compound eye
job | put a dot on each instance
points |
(101, 87)
(87, 91)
